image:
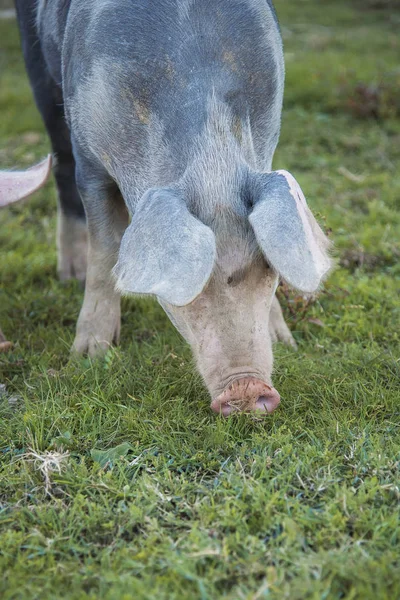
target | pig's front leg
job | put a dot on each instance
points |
(278, 329)
(107, 218)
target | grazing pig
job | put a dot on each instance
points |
(15, 185)
(174, 110)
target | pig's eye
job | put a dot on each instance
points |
(267, 265)
(247, 199)
(236, 277)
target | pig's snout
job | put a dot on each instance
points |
(246, 395)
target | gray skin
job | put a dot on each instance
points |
(174, 110)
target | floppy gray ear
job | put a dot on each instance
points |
(287, 232)
(165, 251)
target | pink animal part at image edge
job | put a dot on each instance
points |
(14, 186)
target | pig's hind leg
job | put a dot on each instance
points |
(71, 224)
(107, 218)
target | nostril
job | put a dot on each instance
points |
(268, 403)
(262, 401)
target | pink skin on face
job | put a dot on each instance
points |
(227, 326)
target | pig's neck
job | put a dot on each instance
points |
(209, 171)
(219, 159)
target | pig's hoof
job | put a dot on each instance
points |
(246, 395)
(95, 343)
(5, 346)
(72, 249)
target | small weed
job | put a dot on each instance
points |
(379, 101)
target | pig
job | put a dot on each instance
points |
(14, 186)
(172, 116)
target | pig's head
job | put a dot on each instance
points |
(216, 281)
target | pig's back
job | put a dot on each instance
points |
(162, 59)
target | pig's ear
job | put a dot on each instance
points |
(165, 251)
(287, 232)
(15, 185)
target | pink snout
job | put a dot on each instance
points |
(246, 395)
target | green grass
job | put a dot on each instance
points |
(157, 498)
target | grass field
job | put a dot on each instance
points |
(117, 482)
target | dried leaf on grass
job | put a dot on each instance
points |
(47, 463)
